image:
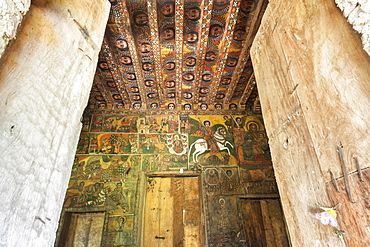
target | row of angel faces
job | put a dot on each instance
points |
(170, 106)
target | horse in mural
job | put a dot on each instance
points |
(218, 139)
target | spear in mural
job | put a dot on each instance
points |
(234, 120)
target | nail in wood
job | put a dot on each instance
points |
(334, 181)
(358, 169)
(345, 173)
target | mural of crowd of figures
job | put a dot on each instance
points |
(230, 151)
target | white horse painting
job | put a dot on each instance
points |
(201, 146)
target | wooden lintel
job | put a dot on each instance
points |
(259, 196)
(173, 174)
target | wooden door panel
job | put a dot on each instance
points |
(85, 230)
(178, 214)
(192, 213)
(264, 223)
(253, 223)
(276, 234)
(165, 213)
(172, 212)
(151, 213)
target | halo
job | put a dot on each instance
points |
(253, 122)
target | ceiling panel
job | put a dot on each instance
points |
(181, 55)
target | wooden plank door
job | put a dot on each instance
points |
(264, 223)
(172, 215)
(83, 230)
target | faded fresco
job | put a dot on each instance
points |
(119, 230)
(225, 225)
(115, 152)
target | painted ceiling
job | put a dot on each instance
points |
(182, 55)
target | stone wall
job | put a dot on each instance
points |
(11, 13)
(45, 79)
(313, 81)
(358, 15)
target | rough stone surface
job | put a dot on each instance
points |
(11, 15)
(357, 13)
(45, 79)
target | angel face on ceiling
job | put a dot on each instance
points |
(168, 8)
(119, 105)
(233, 107)
(136, 106)
(190, 61)
(130, 76)
(204, 90)
(170, 66)
(154, 106)
(141, 18)
(193, 13)
(149, 83)
(182, 54)
(126, 60)
(203, 107)
(121, 44)
(187, 95)
(170, 84)
(192, 37)
(215, 30)
(218, 107)
(145, 47)
(168, 33)
(187, 107)
(189, 77)
(103, 65)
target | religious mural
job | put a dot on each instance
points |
(115, 152)
(119, 230)
(258, 180)
(112, 196)
(225, 226)
(251, 140)
(106, 168)
(166, 69)
(211, 143)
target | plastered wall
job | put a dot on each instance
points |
(12, 13)
(45, 79)
(117, 151)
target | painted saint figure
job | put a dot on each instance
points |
(120, 238)
(255, 146)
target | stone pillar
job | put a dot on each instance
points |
(313, 79)
(45, 79)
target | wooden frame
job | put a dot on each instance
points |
(65, 220)
(147, 175)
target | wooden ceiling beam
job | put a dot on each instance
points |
(156, 49)
(207, 7)
(116, 74)
(253, 21)
(179, 23)
(225, 47)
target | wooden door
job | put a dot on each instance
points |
(82, 230)
(172, 212)
(264, 223)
